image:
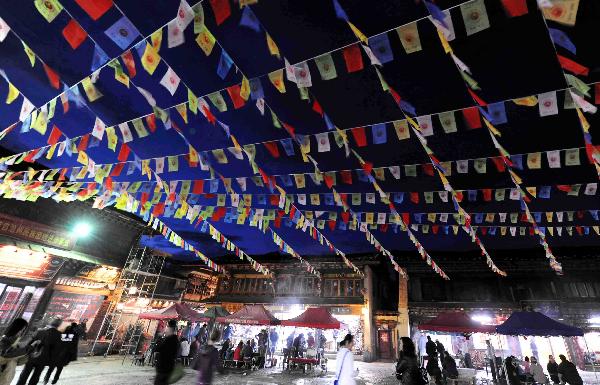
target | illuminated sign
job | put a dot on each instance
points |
(35, 232)
(23, 263)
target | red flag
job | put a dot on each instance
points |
(579, 229)
(116, 171)
(74, 34)
(395, 95)
(151, 121)
(564, 187)
(346, 176)
(331, 225)
(52, 77)
(476, 97)
(344, 198)
(572, 66)
(234, 94)
(459, 196)
(272, 148)
(95, 8)
(129, 63)
(487, 194)
(345, 216)
(483, 230)
(158, 209)
(63, 172)
(359, 136)
(367, 167)
(30, 155)
(55, 134)
(428, 169)
(317, 107)
(221, 9)
(471, 116)
(580, 214)
(328, 180)
(515, 8)
(353, 58)
(414, 197)
(406, 218)
(219, 213)
(198, 187)
(277, 222)
(83, 143)
(209, 115)
(597, 93)
(499, 163)
(274, 199)
(435, 228)
(383, 228)
(108, 183)
(123, 153)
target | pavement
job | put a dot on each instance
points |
(113, 371)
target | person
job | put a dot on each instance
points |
(512, 373)
(344, 362)
(537, 371)
(407, 367)
(449, 369)
(194, 347)
(310, 341)
(290, 341)
(553, 370)
(430, 347)
(322, 340)
(247, 350)
(273, 338)
(224, 349)
(298, 342)
(568, 371)
(167, 349)
(69, 341)
(45, 344)
(12, 350)
(237, 353)
(208, 360)
(184, 353)
(227, 332)
(433, 368)
(526, 366)
(440, 349)
(468, 361)
(203, 335)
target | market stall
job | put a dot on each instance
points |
(178, 311)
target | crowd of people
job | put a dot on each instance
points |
(531, 371)
(51, 348)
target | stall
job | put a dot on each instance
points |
(178, 311)
(312, 318)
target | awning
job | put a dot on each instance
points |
(178, 311)
(250, 315)
(533, 323)
(456, 322)
(315, 317)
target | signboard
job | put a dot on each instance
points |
(27, 264)
(35, 232)
(73, 306)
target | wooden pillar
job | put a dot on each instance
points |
(403, 325)
(369, 332)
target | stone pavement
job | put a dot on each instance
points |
(109, 371)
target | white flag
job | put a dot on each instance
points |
(443, 196)
(323, 142)
(290, 73)
(302, 199)
(125, 132)
(185, 15)
(583, 104)
(559, 216)
(462, 166)
(147, 95)
(260, 104)
(26, 109)
(443, 217)
(175, 35)
(502, 217)
(4, 30)
(160, 165)
(395, 171)
(425, 125)
(236, 152)
(514, 194)
(302, 75)
(547, 103)
(553, 158)
(370, 197)
(170, 81)
(381, 217)
(591, 188)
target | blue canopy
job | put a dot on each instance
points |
(532, 323)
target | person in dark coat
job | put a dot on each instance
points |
(553, 370)
(430, 347)
(407, 367)
(224, 349)
(511, 365)
(12, 350)
(568, 371)
(208, 360)
(67, 352)
(449, 369)
(440, 349)
(45, 344)
(433, 368)
(167, 350)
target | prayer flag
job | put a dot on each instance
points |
(206, 40)
(55, 134)
(562, 11)
(150, 59)
(353, 58)
(547, 103)
(359, 136)
(122, 33)
(249, 20)
(95, 8)
(472, 118)
(409, 37)
(273, 49)
(236, 98)
(276, 79)
(561, 39)
(515, 8)
(475, 16)
(380, 46)
(49, 9)
(74, 34)
(123, 153)
(572, 66)
(175, 34)
(225, 63)
(402, 131)
(326, 66)
(221, 9)
(170, 81)
(52, 77)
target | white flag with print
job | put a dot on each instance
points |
(591, 188)
(170, 81)
(99, 128)
(547, 103)
(323, 142)
(425, 125)
(125, 132)
(395, 171)
(175, 35)
(302, 75)
(553, 158)
(160, 165)
(242, 182)
(185, 15)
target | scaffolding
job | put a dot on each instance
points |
(138, 280)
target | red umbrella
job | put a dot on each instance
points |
(456, 322)
(315, 317)
(250, 315)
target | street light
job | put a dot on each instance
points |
(82, 229)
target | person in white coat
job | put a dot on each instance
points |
(344, 362)
(538, 372)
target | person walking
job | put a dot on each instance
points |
(407, 367)
(273, 339)
(45, 345)
(553, 370)
(185, 351)
(568, 371)
(167, 350)
(208, 360)
(12, 350)
(430, 347)
(344, 362)
(537, 371)
(67, 352)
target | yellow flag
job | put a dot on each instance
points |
(273, 49)
(585, 125)
(445, 44)
(361, 36)
(51, 108)
(193, 154)
(111, 137)
(528, 101)
(150, 59)
(13, 93)
(182, 109)
(90, 89)
(48, 8)
(206, 40)
(51, 151)
(41, 123)
(82, 158)
(193, 102)
(245, 89)
(29, 54)
(491, 127)
(276, 78)
(156, 39)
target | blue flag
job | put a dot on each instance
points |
(288, 146)
(256, 90)
(561, 39)
(249, 20)
(407, 107)
(26, 125)
(99, 58)
(342, 225)
(493, 230)
(497, 113)
(328, 123)
(543, 192)
(123, 32)
(594, 214)
(329, 199)
(225, 63)
(537, 216)
(418, 217)
(517, 161)
(472, 195)
(398, 197)
(287, 180)
(261, 199)
(362, 176)
(380, 45)
(379, 133)
(339, 11)
(214, 185)
(436, 13)
(478, 217)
